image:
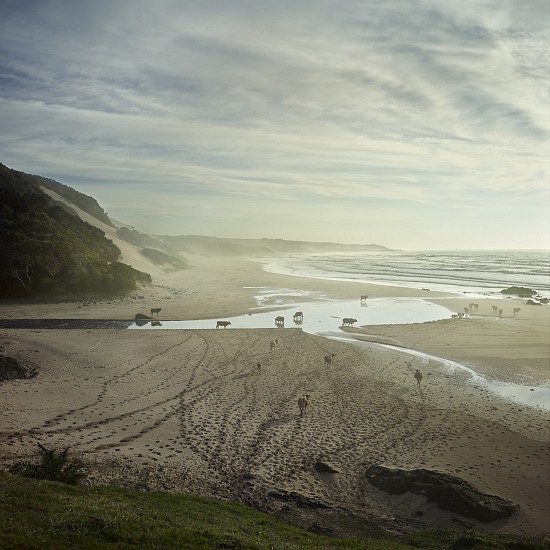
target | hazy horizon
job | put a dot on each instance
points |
(414, 126)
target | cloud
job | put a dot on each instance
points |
(329, 105)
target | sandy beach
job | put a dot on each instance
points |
(187, 410)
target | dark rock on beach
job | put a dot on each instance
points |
(448, 492)
(324, 468)
(141, 316)
(11, 368)
(520, 291)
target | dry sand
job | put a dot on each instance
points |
(186, 410)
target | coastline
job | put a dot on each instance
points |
(168, 397)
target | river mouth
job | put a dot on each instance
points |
(318, 316)
(323, 318)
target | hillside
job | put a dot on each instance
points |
(54, 515)
(46, 250)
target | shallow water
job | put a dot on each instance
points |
(531, 396)
(325, 315)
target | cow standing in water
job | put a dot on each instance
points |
(303, 402)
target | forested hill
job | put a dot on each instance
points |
(46, 250)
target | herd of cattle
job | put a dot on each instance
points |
(298, 317)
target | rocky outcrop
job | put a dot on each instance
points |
(11, 368)
(448, 492)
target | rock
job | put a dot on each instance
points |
(321, 530)
(448, 492)
(520, 291)
(532, 303)
(11, 368)
(324, 468)
(296, 498)
(142, 316)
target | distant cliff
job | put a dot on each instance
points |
(213, 246)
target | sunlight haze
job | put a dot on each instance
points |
(412, 125)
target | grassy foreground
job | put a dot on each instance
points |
(48, 515)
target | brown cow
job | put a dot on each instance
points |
(303, 402)
(418, 376)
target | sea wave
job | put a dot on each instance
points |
(464, 271)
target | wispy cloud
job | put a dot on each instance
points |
(309, 108)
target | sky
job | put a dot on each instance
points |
(412, 124)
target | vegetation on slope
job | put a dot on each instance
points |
(45, 514)
(84, 202)
(46, 251)
(162, 258)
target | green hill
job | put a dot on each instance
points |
(45, 250)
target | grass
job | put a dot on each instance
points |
(46, 515)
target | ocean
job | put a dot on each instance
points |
(478, 271)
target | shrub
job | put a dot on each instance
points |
(53, 466)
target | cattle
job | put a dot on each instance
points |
(273, 344)
(223, 324)
(495, 309)
(156, 310)
(516, 311)
(280, 321)
(328, 359)
(259, 367)
(348, 321)
(298, 317)
(303, 402)
(500, 312)
(364, 299)
(418, 376)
